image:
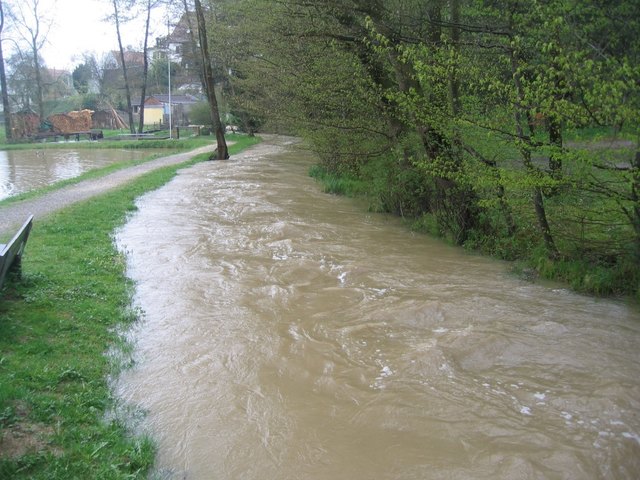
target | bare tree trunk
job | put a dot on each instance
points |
(555, 138)
(29, 17)
(38, 73)
(554, 126)
(635, 197)
(145, 69)
(538, 198)
(454, 80)
(3, 84)
(207, 69)
(116, 17)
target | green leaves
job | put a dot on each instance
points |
(472, 113)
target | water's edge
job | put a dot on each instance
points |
(287, 334)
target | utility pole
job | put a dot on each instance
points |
(169, 77)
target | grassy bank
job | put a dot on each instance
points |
(56, 326)
(404, 191)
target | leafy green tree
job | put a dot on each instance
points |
(158, 78)
(468, 112)
(82, 76)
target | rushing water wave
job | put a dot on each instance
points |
(288, 334)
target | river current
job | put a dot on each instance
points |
(289, 334)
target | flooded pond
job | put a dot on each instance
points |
(25, 170)
(287, 334)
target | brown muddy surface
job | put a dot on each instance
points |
(288, 334)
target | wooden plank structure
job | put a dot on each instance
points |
(11, 253)
(90, 134)
(138, 136)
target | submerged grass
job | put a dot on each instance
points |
(57, 324)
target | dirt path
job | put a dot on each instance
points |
(14, 214)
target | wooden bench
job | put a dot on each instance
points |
(11, 253)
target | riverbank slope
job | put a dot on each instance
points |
(59, 340)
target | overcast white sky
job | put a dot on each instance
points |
(79, 27)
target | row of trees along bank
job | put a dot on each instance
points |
(506, 126)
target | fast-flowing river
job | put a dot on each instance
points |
(288, 334)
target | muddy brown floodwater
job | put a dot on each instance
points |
(288, 334)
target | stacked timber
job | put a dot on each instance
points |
(24, 124)
(72, 122)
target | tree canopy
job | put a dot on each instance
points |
(504, 125)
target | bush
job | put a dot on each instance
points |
(398, 187)
(346, 185)
(200, 114)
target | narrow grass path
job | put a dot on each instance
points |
(57, 327)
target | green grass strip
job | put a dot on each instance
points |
(57, 325)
